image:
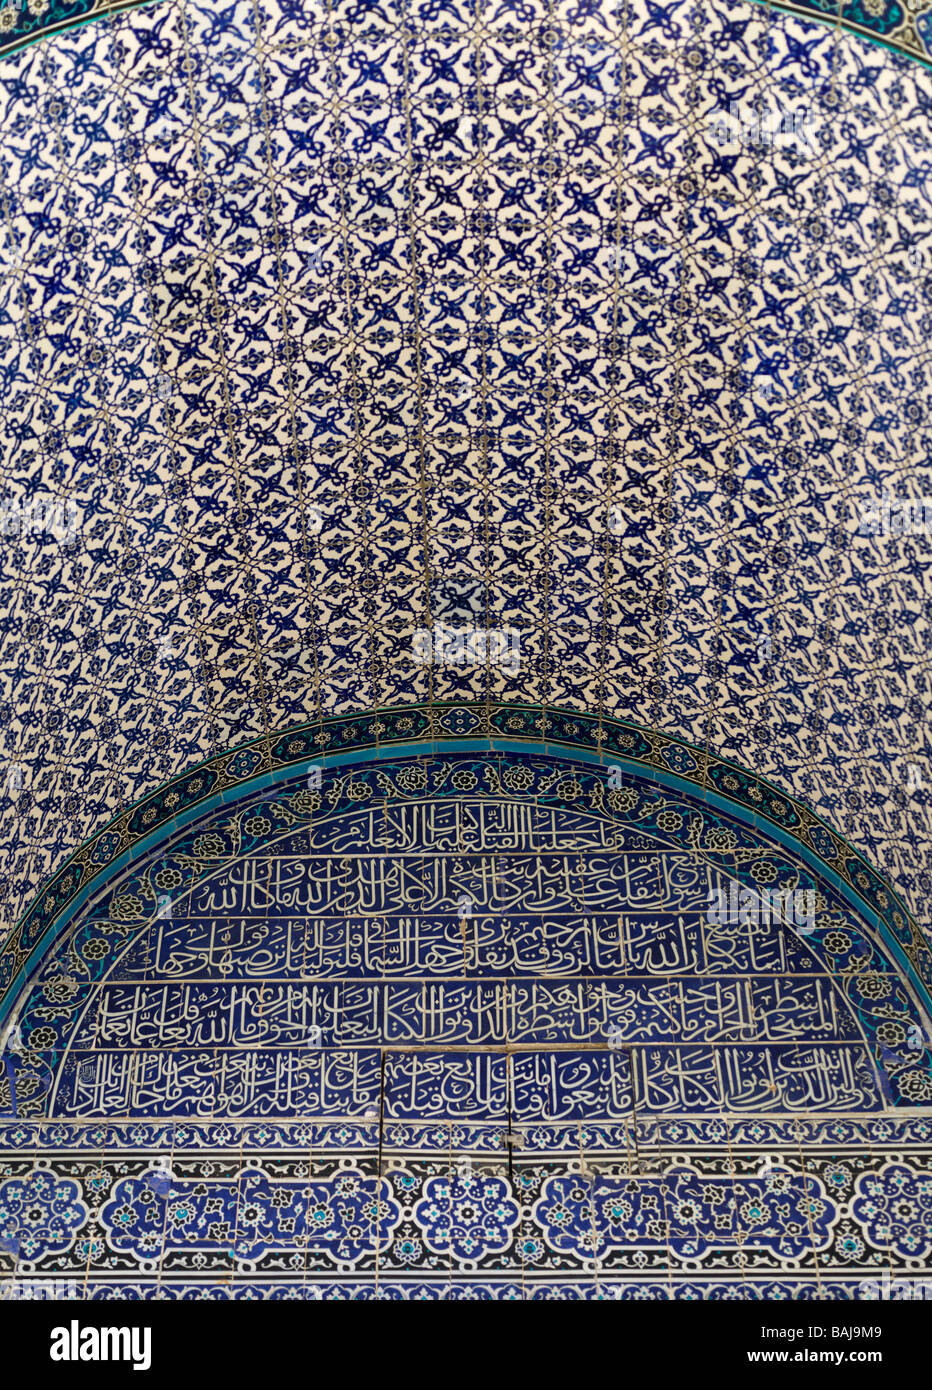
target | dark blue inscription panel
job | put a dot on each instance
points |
(426, 1029)
(509, 960)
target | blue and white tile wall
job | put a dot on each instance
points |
(310, 310)
(507, 1026)
(607, 329)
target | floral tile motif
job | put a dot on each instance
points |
(290, 1231)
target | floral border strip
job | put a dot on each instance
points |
(885, 22)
